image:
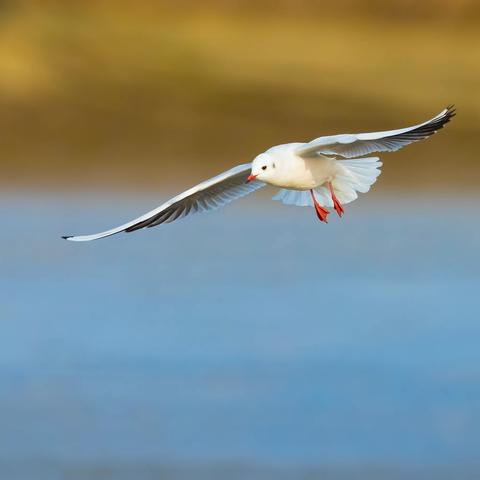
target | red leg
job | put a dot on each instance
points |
(336, 204)
(321, 212)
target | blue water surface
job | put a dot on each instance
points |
(253, 335)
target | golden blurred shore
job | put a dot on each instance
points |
(137, 94)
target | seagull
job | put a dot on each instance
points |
(327, 172)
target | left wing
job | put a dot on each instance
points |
(359, 144)
(208, 195)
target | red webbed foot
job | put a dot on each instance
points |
(322, 213)
(336, 204)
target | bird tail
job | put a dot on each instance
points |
(355, 175)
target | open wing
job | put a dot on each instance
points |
(358, 144)
(208, 195)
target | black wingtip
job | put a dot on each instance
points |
(451, 111)
(66, 237)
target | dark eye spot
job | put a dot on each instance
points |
(264, 167)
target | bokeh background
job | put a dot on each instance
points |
(252, 343)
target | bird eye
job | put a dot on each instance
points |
(264, 167)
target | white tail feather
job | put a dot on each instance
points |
(356, 175)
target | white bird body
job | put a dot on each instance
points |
(295, 172)
(308, 173)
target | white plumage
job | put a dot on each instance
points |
(309, 174)
(356, 175)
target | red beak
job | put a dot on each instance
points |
(250, 178)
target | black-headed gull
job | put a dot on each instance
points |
(309, 174)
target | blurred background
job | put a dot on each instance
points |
(255, 342)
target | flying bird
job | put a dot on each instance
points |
(327, 172)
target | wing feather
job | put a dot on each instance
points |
(359, 144)
(208, 195)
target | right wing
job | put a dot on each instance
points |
(208, 195)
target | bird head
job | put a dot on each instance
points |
(263, 168)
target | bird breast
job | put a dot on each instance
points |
(299, 173)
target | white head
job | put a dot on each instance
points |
(263, 168)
